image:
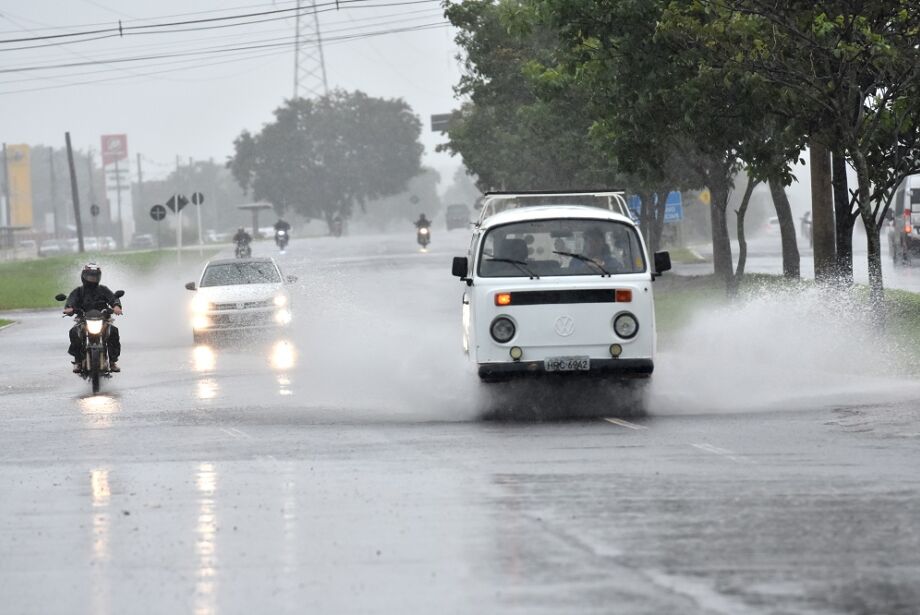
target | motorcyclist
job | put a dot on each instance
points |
(422, 222)
(282, 225)
(85, 297)
(242, 237)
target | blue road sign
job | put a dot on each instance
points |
(673, 212)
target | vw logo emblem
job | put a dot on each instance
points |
(239, 306)
(565, 326)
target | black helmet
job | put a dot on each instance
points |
(91, 274)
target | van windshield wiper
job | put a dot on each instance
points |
(585, 259)
(519, 264)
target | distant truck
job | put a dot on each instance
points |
(904, 215)
(457, 216)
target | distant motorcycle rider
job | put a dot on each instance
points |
(422, 222)
(242, 237)
(282, 225)
(86, 297)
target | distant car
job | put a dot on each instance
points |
(144, 241)
(28, 244)
(239, 295)
(53, 247)
(904, 214)
(457, 216)
(771, 226)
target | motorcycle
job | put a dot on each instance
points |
(423, 236)
(281, 239)
(243, 249)
(94, 334)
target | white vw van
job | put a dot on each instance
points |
(559, 289)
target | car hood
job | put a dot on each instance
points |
(240, 292)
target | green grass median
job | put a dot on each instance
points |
(34, 283)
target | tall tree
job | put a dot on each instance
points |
(322, 157)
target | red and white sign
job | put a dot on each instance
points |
(114, 148)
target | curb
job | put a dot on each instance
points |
(8, 325)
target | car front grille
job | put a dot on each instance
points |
(242, 305)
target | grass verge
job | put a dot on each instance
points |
(4, 323)
(686, 256)
(34, 283)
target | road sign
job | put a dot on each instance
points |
(673, 207)
(197, 198)
(94, 210)
(157, 212)
(173, 200)
(440, 122)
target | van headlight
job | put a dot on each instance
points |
(502, 329)
(94, 326)
(625, 325)
(280, 300)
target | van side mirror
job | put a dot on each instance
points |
(119, 294)
(190, 286)
(460, 267)
(60, 297)
(662, 262)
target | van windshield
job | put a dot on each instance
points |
(561, 247)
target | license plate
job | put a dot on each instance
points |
(567, 364)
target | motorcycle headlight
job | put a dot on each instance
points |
(94, 326)
(423, 231)
(280, 300)
(502, 329)
(625, 325)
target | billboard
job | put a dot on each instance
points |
(673, 212)
(117, 169)
(19, 168)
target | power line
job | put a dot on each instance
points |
(121, 30)
(279, 49)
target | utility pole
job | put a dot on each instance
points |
(140, 181)
(53, 184)
(178, 217)
(92, 194)
(6, 191)
(75, 192)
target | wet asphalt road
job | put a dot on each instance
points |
(345, 469)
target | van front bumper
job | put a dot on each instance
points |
(623, 368)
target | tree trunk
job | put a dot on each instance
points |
(657, 225)
(843, 219)
(874, 256)
(742, 239)
(645, 215)
(721, 243)
(791, 259)
(822, 213)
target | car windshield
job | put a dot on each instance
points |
(561, 247)
(229, 274)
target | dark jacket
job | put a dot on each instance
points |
(85, 297)
(242, 237)
(281, 225)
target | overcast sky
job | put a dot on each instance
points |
(195, 105)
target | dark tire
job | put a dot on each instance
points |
(94, 369)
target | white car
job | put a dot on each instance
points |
(563, 289)
(239, 295)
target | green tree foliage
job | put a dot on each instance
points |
(510, 136)
(322, 157)
(845, 72)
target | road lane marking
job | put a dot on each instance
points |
(235, 433)
(626, 424)
(723, 452)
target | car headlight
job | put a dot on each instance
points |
(94, 326)
(200, 304)
(625, 325)
(280, 300)
(502, 329)
(283, 317)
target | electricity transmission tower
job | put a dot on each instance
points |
(309, 63)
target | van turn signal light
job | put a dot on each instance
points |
(623, 295)
(503, 299)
